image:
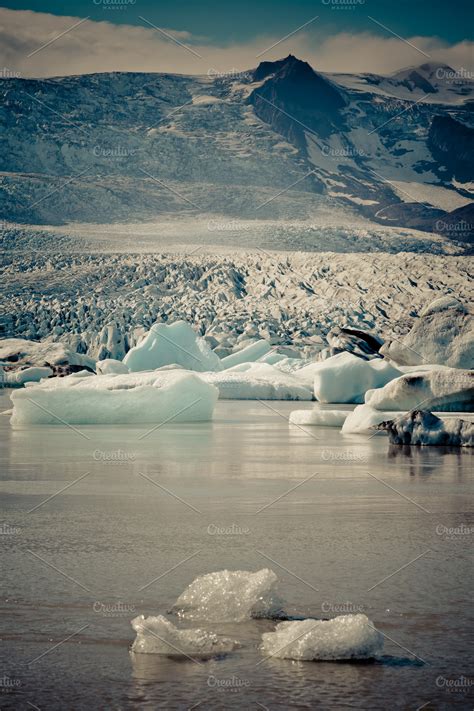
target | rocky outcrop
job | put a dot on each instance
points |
(360, 343)
(452, 144)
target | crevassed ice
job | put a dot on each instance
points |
(344, 637)
(230, 595)
(157, 635)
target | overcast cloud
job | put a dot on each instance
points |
(103, 47)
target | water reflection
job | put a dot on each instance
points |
(424, 461)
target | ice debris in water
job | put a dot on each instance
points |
(230, 595)
(157, 635)
(342, 638)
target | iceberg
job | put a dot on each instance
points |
(157, 635)
(174, 344)
(343, 638)
(446, 389)
(176, 396)
(32, 374)
(345, 378)
(229, 595)
(250, 353)
(110, 366)
(444, 334)
(258, 381)
(363, 419)
(423, 428)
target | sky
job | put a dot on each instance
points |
(52, 37)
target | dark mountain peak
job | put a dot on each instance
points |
(294, 84)
(289, 63)
(294, 98)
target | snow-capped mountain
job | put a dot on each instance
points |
(281, 141)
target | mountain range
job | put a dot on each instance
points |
(281, 142)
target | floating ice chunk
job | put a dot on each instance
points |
(247, 355)
(258, 381)
(157, 635)
(424, 428)
(177, 343)
(182, 397)
(110, 366)
(342, 638)
(345, 378)
(318, 416)
(229, 595)
(27, 375)
(363, 419)
(444, 389)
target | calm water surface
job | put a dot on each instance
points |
(347, 523)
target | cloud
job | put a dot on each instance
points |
(30, 47)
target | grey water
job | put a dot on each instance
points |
(100, 524)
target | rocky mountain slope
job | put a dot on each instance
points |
(280, 142)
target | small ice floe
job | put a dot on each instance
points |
(424, 428)
(318, 416)
(343, 638)
(230, 596)
(157, 635)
